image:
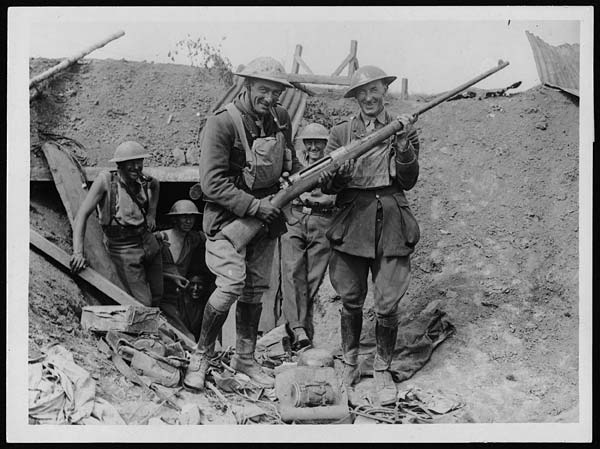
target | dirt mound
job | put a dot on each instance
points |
(497, 201)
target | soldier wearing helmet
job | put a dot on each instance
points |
(374, 230)
(304, 248)
(244, 150)
(126, 201)
(182, 250)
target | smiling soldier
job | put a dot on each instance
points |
(245, 149)
(126, 200)
(374, 230)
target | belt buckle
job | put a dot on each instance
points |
(306, 210)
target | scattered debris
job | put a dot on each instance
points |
(61, 392)
(133, 319)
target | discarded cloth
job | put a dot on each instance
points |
(61, 392)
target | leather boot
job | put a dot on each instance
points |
(351, 327)
(385, 387)
(301, 340)
(247, 317)
(212, 322)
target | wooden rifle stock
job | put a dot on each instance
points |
(241, 231)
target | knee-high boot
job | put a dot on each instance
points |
(385, 338)
(212, 322)
(351, 327)
(247, 317)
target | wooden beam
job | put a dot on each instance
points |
(404, 93)
(303, 64)
(187, 173)
(70, 61)
(296, 63)
(94, 278)
(353, 65)
(348, 60)
(318, 79)
(344, 63)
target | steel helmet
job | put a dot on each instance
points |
(265, 68)
(314, 131)
(128, 151)
(365, 75)
(184, 207)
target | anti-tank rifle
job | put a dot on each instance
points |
(242, 230)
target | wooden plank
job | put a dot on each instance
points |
(89, 275)
(318, 79)
(69, 61)
(404, 93)
(72, 190)
(296, 63)
(353, 64)
(303, 64)
(95, 279)
(39, 171)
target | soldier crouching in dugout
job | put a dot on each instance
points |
(182, 250)
(374, 229)
(126, 200)
(305, 248)
(245, 149)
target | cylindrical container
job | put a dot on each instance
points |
(312, 395)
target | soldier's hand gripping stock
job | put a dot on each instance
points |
(266, 211)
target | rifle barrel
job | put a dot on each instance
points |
(453, 92)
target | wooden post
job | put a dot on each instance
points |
(353, 65)
(296, 62)
(69, 61)
(404, 94)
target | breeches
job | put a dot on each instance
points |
(243, 275)
(390, 275)
(304, 257)
(139, 265)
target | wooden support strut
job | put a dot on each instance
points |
(41, 172)
(69, 61)
(95, 279)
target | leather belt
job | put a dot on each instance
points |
(314, 210)
(117, 231)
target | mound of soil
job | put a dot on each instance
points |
(497, 202)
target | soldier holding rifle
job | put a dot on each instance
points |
(246, 147)
(374, 230)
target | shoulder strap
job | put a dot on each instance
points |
(350, 121)
(239, 125)
(113, 195)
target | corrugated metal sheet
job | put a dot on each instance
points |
(557, 66)
(293, 100)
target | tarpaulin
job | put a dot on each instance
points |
(416, 340)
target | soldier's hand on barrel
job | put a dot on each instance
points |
(346, 170)
(407, 120)
(325, 178)
(77, 262)
(266, 211)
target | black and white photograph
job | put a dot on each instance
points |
(299, 224)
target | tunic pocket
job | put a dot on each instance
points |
(409, 225)
(340, 223)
